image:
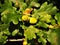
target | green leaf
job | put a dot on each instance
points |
(7, 4)
(15, 21)
(44, 16)
(40, 33)
(49, 7)
(10, 15)
(24, 27)
(3, 27)
(17, 1)
(52, 37)
(29, 1)
(57, 17)
(15, 32)
(42, 24)
(30, 32)
(19, 17)
(2, 38)
(5, 14)
(43, 40)
(34, 4)
(42, 37)
(23, 6)
(43, 7)
(53, 22)
(4, 18)
(6, 32)
(53, 11)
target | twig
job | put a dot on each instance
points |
(14, 40)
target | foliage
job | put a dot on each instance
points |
(38, 22)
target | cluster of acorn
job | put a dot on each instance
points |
(32, 20)
(26, 16)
